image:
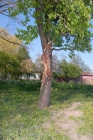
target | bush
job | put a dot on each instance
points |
(20, 85)
(34, 85)
(71, 85)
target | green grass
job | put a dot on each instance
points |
(87, 118)
(22, 120)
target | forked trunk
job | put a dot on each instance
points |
(45, 90)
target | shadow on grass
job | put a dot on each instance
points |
(70, 92)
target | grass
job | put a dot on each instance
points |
(87, 118)
(22, 120)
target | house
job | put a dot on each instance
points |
(30, 77)
(87, 78)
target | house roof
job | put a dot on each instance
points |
(87, 74)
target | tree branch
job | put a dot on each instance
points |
(11, 41)
(4, 6)
(7, 4)
(70, 49)
(4, 14)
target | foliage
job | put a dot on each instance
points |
(70, 85)
(69, 19)
(20, 85)
(23, 53)
(69, 70)
(7, 46)
(15, 48)
(33, 85)
(4, 59)
(12, 55)
(8, 64)
(75, 61)
(27, 66)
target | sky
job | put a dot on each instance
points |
(35, 46)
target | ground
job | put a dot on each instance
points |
(69, 117)
(64, 121)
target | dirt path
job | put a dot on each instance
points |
(62, 120)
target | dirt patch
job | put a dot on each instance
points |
(46, 125)
(62, 120)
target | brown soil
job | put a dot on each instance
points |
(64, 120)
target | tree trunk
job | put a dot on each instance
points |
(45, 90)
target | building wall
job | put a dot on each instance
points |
(87, 80)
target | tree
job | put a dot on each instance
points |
(22, 53)
(77, 60)
(27, 67)
(8, 64)
(39, 66)
(70, 71)
(64, 23)
(5, 6)
(12, 54)
(4, 59)
(16, 47)
(5, 42)
(55, 64)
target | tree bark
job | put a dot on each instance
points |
(45, 90)
(45, 93)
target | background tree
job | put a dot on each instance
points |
(27, 67)
(63, 22)
(8, 64)
(5, 6)
(7, 46)
(56, 64)
(39, 66)
(3, 62)
(77, 60)
(11, 55)
(70, 71)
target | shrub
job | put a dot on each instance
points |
(20, 85)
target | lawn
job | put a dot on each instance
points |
(20, 119)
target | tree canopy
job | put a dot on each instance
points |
(66, 23)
